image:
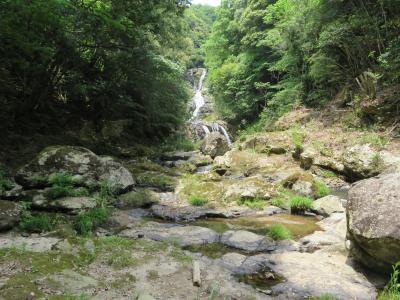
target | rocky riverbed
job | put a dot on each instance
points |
(301, 212)
(149, 243)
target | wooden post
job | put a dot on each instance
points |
(196, 273)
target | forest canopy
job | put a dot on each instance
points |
(65, 61)
(266, 57)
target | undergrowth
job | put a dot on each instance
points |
(5, 182)
(64, 185)
(34, 222)
(87, 222)
(392, 289)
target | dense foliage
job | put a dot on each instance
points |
(199, 19)
(65, 61)
(267, 56)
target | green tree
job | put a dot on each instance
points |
(66, 61)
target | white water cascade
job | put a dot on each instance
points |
(225, 133)
(199, 102)
(205, 128)
(198, 98)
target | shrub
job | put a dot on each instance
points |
(279, 232)
(35, 222)
(320, 189)
(392, 289)
(5, 183)
(300, 204)
(86, 222)
(197, 200)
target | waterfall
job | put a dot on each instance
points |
(206, 130)
(225, 134)
(198, 97)
(215, 127)
(199, 102)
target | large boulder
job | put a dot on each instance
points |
(373, 220)
(214, 145)
(362, 161)
(328, 205)
(9, 214)
(86, 167)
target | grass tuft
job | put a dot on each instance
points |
(300, 204)
(279, 232)
(298, 137)
(88, 221)
(320, 189)
(197, 200)
(392, 289)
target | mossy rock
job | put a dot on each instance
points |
(137, 199)
(76, 161)
(271, 143)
